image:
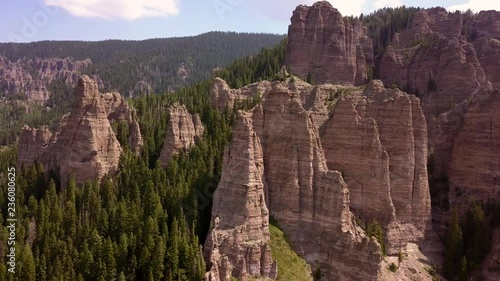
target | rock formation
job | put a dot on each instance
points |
(378, 140)
(32, 144)
(32, 77)
(237, 244)
(310, 201)
(182, 131)
(329, 150)
(474, 167)
(118, 110)
(328, 47)
(445, 58)
(84, 145)
(318, 99)
(223, 97)
(434, 60)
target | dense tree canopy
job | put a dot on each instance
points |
(122, 64)
(144, 223)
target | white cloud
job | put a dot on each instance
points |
(477, 5)
(387, 3)
(118, 9)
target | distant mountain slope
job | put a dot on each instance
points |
(131, 67)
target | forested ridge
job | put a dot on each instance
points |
(123, 64)
(145, 223)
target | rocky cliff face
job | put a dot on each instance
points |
(32, 144)
(330, 48)
(333, 155)
(32, 77)
(223, 97)
(491, 269)
(445, 58)
(317, 100)
(84, 145)
(182, 131)
(378, 140)
(474, 167)
(310, 201)
(237, 244)
(433, 59)
(118, 110)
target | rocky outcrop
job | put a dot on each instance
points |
(84, 145)
(361, 151)
(451, 61)
(328, 47)
(141, 87)
(223, 97)
(118, 110)
(182, 132)
(237, 244)
(310, 201)
(378, 140)
(32, 144)
(33, 77)
(435, 61)
(474, 167)
(317, 100)
(135, 140)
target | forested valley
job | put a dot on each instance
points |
(146, 223)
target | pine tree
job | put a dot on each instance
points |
(26, 263)
(462, 273)
(310, 78)
(454, 247)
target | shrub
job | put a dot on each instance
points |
(392, 267)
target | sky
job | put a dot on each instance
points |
(92, 20)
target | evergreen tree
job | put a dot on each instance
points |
(454, 247)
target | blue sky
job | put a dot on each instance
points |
(35, 20)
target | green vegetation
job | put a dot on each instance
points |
(291, 267)
(16, 112)
(310, 78)
(121, 64)
(433, 272)
(392, 267)
(374, 229)
(266, 65)
(145, 223)
(383, 24)
(468, 243)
